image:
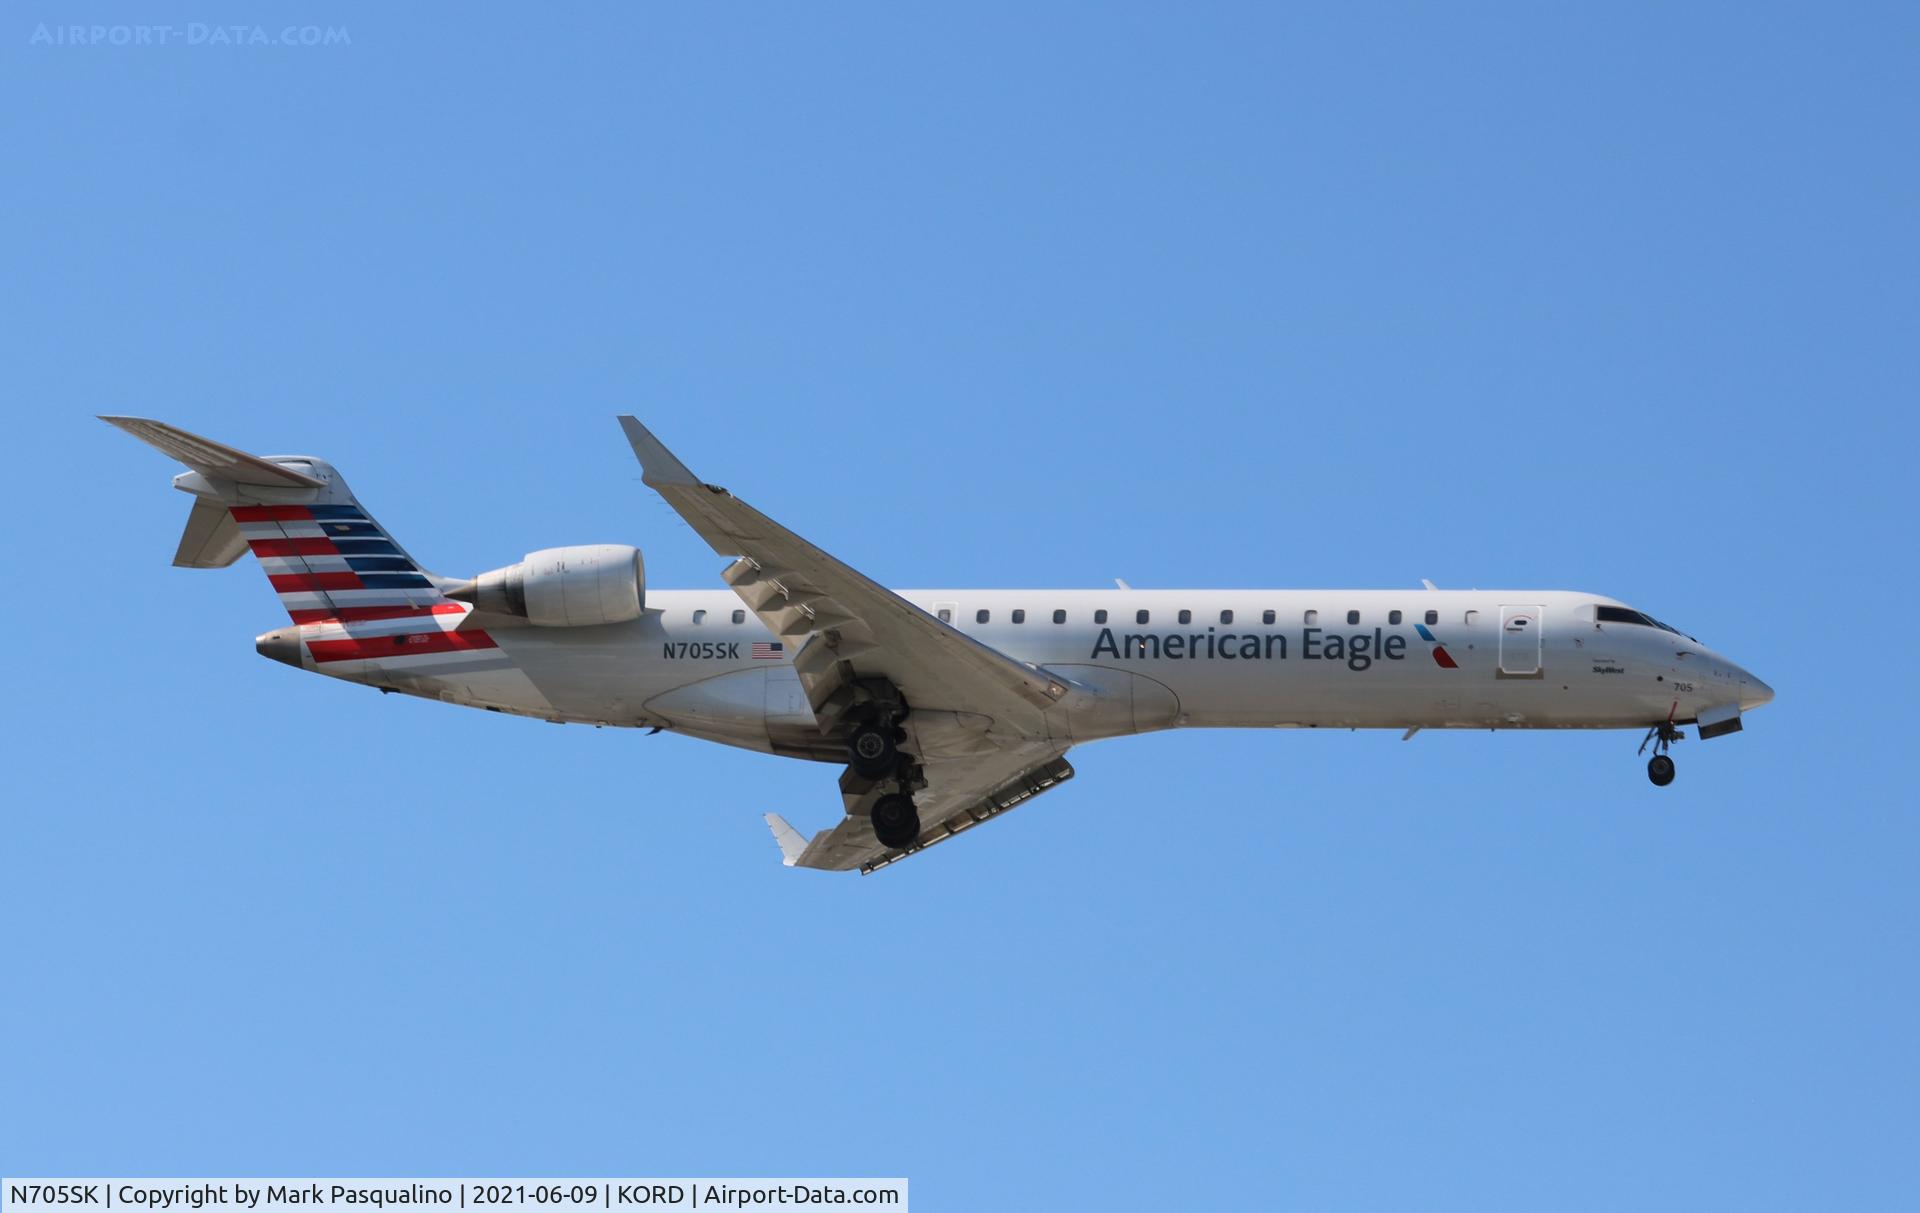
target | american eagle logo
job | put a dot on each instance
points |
(1441, 657)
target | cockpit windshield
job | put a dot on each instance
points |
(1614, 614)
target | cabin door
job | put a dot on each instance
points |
(1520, 642)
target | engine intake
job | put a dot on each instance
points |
(571, 587)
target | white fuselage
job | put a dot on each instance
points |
(1395, 659)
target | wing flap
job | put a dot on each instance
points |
(851, 845)
(846, 625)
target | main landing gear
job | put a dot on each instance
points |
(873, 752)
(1660, 766)
(896, 823)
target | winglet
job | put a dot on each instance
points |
(1428, 584)
(658, 465)
(792, 846)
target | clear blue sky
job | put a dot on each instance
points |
(1612, 300)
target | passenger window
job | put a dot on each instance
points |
(1471, 616)
(980, 616)
(699, 616)
(1140, 616)
(1100, 616)
(1186, 617)
(739, 616)
(1353, 617)
(1059, 616)
(946, 614)
(1226, 617)
(1266, 617)
(1313, 617)
(1019, 616)
(1393, 617)
(1433, 617)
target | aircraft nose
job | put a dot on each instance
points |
(1753, 692)
(282, 645)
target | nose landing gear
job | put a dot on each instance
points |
(1660, 766)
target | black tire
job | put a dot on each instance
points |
(896, 823)
(872, 752)
(1660, 770)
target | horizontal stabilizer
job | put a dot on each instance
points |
(211, 458)
(212, 539)
(329, 561)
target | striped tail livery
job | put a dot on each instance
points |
(360, 606)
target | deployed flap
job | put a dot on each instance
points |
(841, 625)
(211, 458)
(212, 539)
(958, 796)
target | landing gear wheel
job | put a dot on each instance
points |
(1661, 737)
(896, 823)
(873, 751)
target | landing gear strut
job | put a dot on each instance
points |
(1660, 766)
(896, 823)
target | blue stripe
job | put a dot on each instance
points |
(395, 581)
(1424, 634)
(351, 528)
(337, 511)
(365, 547)
(381, 564)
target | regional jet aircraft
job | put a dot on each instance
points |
(946, 707)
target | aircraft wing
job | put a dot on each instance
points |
(838, 624)
(960, 794)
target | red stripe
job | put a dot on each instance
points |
(371, 647)
(356, 614)
(271, 513)
(293, 547)
(1443, 659)
(288, 583)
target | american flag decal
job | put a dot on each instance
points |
(768, 651)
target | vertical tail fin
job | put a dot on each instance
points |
(362, 609)
(324, 554)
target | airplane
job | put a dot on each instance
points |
(945, 707)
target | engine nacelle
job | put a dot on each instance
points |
(572, 587)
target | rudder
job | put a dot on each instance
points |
(325, 555)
